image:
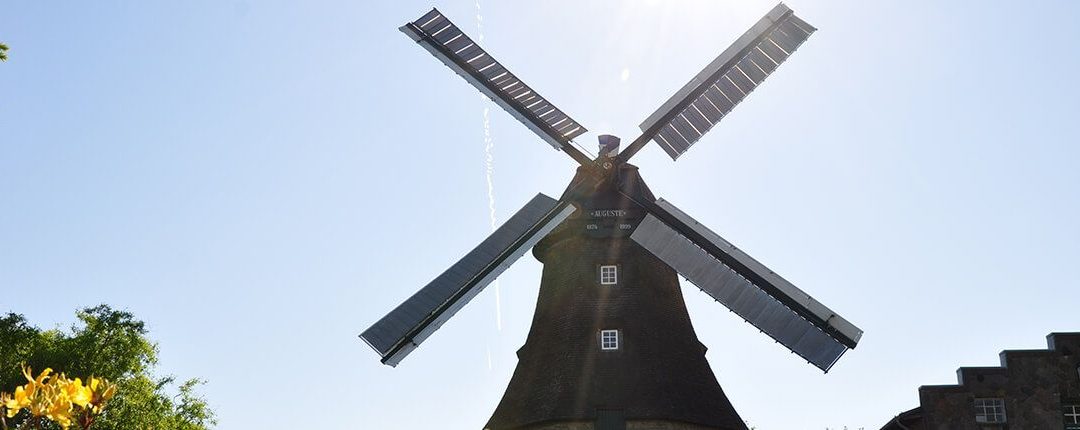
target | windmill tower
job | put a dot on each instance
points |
(611, 344)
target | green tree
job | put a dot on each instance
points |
(114, 345)
(3, 52)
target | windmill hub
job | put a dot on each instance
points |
(609, 149)
(611, 344)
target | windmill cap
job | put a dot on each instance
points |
(609, 145)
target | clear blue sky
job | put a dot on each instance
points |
(260, 181)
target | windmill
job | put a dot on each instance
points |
(611, 341)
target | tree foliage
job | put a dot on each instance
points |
(114, 345)
(3, 52)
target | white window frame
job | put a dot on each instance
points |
(990, 410)
(1072, 414)
(609, 269)
(609, 340)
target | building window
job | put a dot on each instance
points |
(609, 275)
(989, 410)
(1072, 414)
(609, 340)
(610, 419)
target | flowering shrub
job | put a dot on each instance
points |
(56, 398)
(109, 344)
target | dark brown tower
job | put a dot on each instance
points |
(656, 377)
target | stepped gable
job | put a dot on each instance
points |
(1035, 385)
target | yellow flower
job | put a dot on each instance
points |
(40, 380)
(55, 396)
(58, 408)
(77, 393)
(102, 390)
(8, 403)
(16, 403)
(39, 406)
(37, 394)
(109, 392)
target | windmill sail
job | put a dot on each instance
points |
(450, 45)
(747, 287)
(403, 329)
(710, 95)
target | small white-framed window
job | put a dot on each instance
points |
(1072, 414)
(609, 274)
(990, 410)
(609, 340)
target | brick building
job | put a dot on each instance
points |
(1031, 389)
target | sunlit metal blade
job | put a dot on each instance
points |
(747, 287)
(403, 329)
(726, 81)
(450, 45)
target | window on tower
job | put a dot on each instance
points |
(990, 410)
(609, 340)
(1072, 415)
(609, 274)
